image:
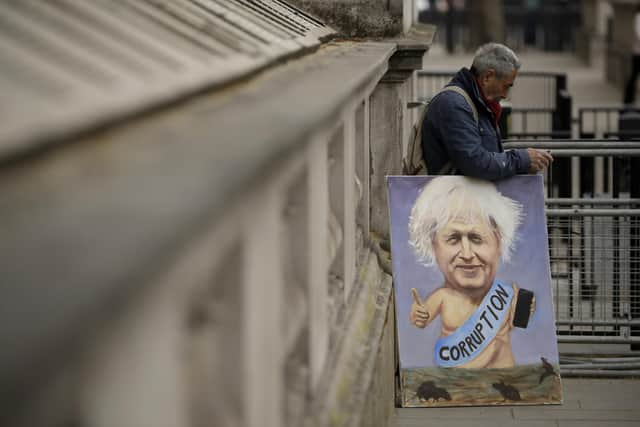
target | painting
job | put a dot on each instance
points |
(474, 306)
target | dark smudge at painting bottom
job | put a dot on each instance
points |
(521, 385)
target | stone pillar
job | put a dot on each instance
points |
(588, 29)
(409, 15)
(487, 22)
(390, 122)
(619, 49)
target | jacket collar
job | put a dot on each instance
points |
(467, 81)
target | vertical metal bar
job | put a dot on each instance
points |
(580, 120)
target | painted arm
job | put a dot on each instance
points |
(424, 311)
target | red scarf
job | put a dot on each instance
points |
(494, 106)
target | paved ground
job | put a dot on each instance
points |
(587, 402)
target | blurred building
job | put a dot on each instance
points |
(619, 40)
(544, 24)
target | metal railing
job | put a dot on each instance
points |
(594, 247)
(595, 265)
(595, 270)
(605, 122)
(595, 122)
(586, 167)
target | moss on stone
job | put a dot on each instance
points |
(356, 19)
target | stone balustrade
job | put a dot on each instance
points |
(215, 262)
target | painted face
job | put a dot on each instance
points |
(468, 254)
(494, 88)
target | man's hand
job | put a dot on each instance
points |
(419, 315)
(540, 159)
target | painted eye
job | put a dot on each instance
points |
(474, 238)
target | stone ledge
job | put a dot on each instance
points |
(418, 38)
(409, 57)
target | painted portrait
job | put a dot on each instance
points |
(472, 284)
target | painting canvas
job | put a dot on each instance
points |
(472, 284)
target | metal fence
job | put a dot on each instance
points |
(595, 265)
(595, 270)
(608, 122)
(594, 247)
(598, 121)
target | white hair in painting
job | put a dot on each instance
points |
(465, 199)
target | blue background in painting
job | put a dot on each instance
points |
(529, 268)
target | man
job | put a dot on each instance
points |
(466, 227)
(452, 139)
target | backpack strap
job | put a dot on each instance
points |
(448, 167)
(414, 163)
(466, 97)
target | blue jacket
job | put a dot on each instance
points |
(450, 133)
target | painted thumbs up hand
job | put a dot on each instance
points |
(418, 316)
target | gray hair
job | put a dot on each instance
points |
(457, 197)
(495, 56)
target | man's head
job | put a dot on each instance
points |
(465, 226)
(495, 67)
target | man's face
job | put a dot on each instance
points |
(495, 88)
(468, 254)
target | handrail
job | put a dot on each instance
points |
(592, 212)
(520, 74)
(591, 201)
(570, 144)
